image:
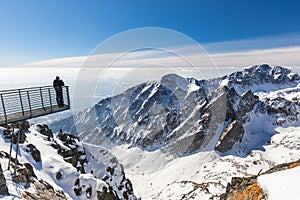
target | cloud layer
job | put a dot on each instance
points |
(285, 56)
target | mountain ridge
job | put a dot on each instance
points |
(174, 111)
(172, 138)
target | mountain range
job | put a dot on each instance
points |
(232, 137)
(181, 116)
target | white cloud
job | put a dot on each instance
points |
(137, 67)
(286, 56)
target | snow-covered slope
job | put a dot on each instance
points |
(281, 185)
(183, 138)
(204, 175)
(183, 116)
(177, 138)
(65, 164)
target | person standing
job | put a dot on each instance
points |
(58, 84)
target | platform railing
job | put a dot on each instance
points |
(26, 103)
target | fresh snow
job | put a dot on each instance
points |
(157, 176)
(192, 88)
(46, 170)
(281, 185)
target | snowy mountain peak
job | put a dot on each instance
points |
(176, 138)
(172, 111)
(262, 77)
(173, 80)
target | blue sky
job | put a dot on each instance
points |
(38, 30)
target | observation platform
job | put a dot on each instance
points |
(26, 103)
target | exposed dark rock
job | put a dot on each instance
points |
(68, 139)
(88, 192)
(55, 145)
(58, 175)
(78, 191)
(247, 188)
(6, 155)
(7, 133)
(24, 125)
(110, 170)
(25, 174)
(30, 171)
(285, 110)
(77, 182)
(45, 191)
(71, 155)
(45, 130)
(282, 167)
(3, 186)
(22, 137)
(36, 154)
(244, 189)
(233, 133)
(106, 195)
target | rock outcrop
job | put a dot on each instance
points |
(21, 135)
(22, 127)
(44, 191)
(36, 154)
(106, 195)
(233, 133)
(3, 186)
(247, 188)
(73, 155)
(25, 174)
(45, 130)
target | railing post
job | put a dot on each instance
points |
(68, 95)
(15, 106)
(29, 104)
(4, 111)
(21, 102)
(50, 99)
(17, 148)
(42, 100)
(10, 149)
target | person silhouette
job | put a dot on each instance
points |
(58, 84)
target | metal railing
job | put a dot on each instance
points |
(26, 103)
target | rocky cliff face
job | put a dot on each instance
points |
(182, 116)
(59, 166)
(75, 153)
(262, 78)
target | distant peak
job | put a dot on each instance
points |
(171, 76)
(265, 68)
(173, 80)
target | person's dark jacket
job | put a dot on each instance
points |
(57, 83)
